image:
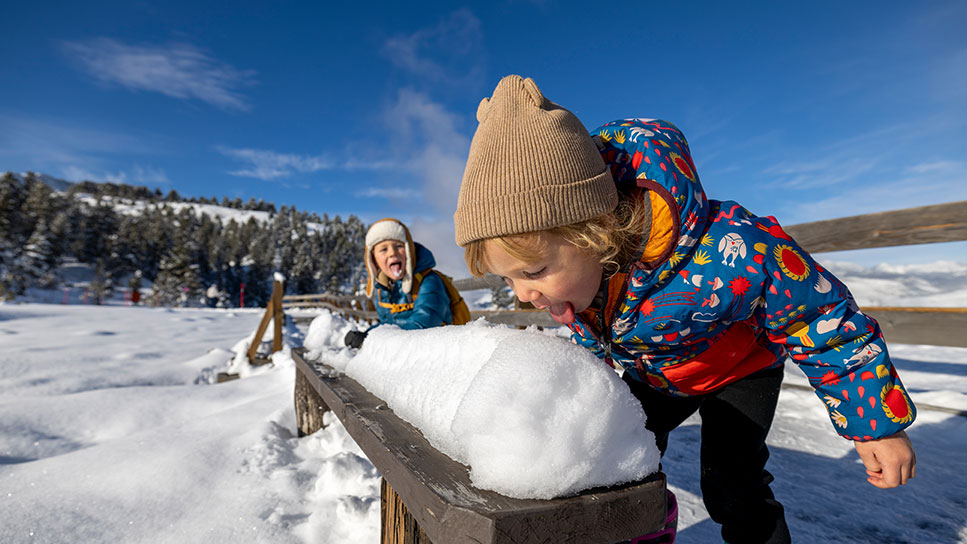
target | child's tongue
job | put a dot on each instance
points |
(396, 269)
(563, 313)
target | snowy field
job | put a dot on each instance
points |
(111, 430)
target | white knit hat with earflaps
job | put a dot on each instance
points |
(388, 229)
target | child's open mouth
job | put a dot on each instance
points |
(396, 269)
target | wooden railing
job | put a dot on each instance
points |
(428, 497)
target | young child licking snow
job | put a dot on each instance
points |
(409, 294)
(699, 302)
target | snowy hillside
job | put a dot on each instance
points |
(173, 251)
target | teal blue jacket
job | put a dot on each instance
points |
(429, 308)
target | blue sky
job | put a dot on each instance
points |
(805, 111)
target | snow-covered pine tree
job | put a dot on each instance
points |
(12, 227)
(178, 282)
(40, 257)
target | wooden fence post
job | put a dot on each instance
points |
(278, 318)
(309, 406)
(273, 309)
(397, 526)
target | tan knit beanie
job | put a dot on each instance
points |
(532, 166)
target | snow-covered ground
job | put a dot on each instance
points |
(111, 430)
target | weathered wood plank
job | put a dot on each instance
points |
(923, 225)
(397, 525)
(489, 281)
(931, 326)
(277, 316)
(440, 497)
(309, 406)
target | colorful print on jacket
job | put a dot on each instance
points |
(430, 307)
(720, 293)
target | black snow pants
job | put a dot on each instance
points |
(735, 422)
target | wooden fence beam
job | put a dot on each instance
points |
(931, 326)
(923, 225)
(488, 281)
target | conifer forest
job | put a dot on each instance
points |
(130, 236)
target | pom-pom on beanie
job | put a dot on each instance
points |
(388, 229)
(532, 166)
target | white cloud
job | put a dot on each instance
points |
(77, 173)
(450, 52)
(148, 174)
(919, 184)
(140, 176)
(424, 135)
(270, 165)
(393, 193)
(176, 70)
(426, 132)
(438, 236)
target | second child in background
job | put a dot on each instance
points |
(408, 292)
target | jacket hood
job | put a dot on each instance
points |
(424, 258)
(653, 154)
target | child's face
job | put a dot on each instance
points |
(390, 256)
(564, 279)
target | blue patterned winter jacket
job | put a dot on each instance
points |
(429, 308)
(717, 293)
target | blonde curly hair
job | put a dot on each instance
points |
(611, 238)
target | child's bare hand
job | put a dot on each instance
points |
(889, 461)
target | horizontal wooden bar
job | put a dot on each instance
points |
(439, 495)
(915, 309)
(931, 326)
(923, 225)
(488, 281)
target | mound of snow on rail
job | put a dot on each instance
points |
(533, 415)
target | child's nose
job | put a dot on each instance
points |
(525, 294)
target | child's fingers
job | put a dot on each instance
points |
(907, 472)
(891, 477)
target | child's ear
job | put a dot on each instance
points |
(483, 109)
